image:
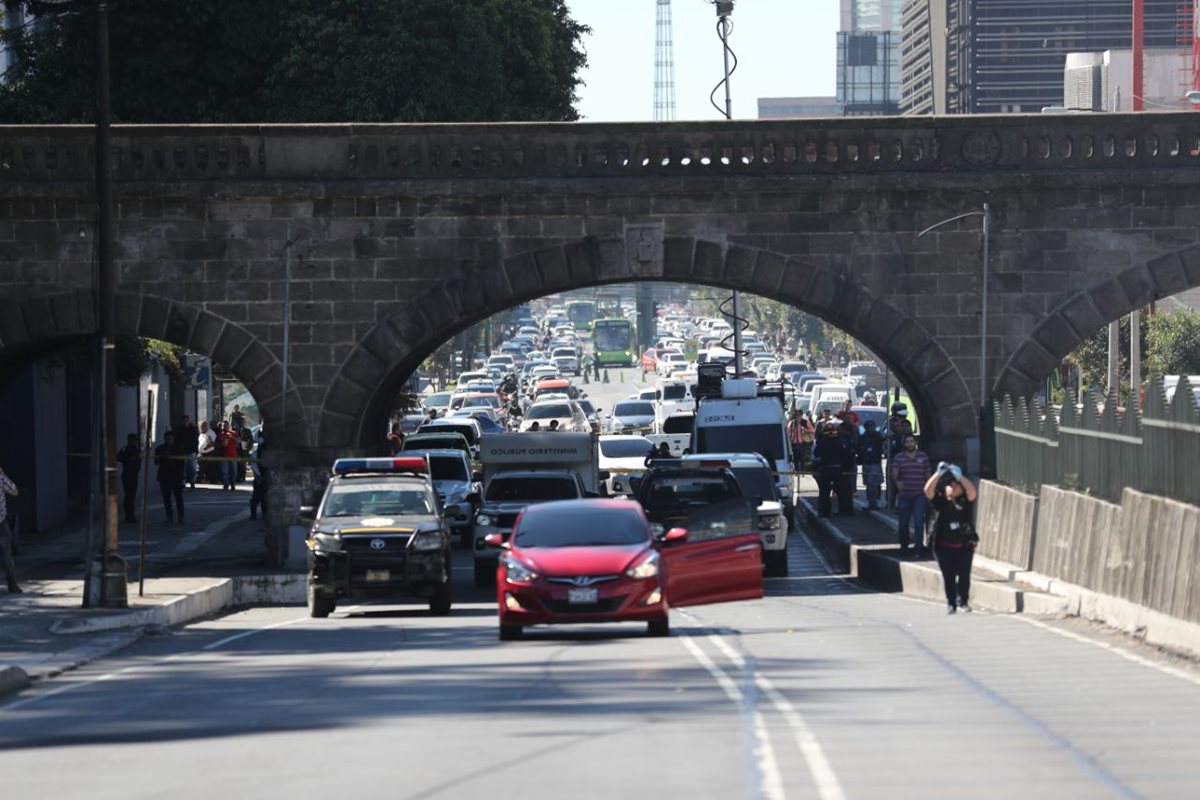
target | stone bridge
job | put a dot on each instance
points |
(402, 235)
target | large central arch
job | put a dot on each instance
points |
(359, 398)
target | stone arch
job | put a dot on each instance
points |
(1087, 311)
(357, 401)
(36, 324)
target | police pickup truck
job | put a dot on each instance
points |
(379, 531)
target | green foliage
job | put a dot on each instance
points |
(134, 355)
(301, 61)
(1173, 343)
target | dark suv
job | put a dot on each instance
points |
(675, 495)
(379, 532)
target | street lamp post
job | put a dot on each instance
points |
(724, 28)
(983, 307)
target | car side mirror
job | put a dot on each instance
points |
(476, 476)
(758, 501)
(307, 514)
(495, 540)
(473, 498)
(675, 535)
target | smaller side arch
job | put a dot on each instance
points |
(1089, 310)
(39, 324)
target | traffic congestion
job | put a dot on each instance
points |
(586, 479)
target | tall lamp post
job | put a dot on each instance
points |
(984, 409)
(724, 28)
(113, 589)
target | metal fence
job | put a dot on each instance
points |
(1091, 445)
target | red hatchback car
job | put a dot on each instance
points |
(576, 561)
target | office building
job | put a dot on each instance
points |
(868, 57)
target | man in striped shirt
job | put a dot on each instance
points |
(7, 487)
(910, 470)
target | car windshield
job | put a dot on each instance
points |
(689, 490)
(767, 440)
(755, 482)
(375, 499)
(631, 447)
(467, 431)
(548, 411)
(438, 400)
(531, 488)
(636, 408)
(448, 468)
(678, 423)
(429, 442)
(491, 401)
(582, 526)
(586, 407)
(674, 392)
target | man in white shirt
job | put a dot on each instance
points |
(206, 444)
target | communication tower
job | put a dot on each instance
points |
(664, 65)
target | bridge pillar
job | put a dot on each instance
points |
(298, 477)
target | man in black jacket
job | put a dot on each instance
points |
(829, 457)
(870, 455)
(130, 459)
(170, 475)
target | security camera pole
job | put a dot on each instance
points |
(724, 28)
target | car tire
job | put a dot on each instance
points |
(509, 633)
(659, 627)
(439, 604)
(484, 578)
(776, 563)
(320, 604)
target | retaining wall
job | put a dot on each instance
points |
(1078, 539)
(1006, 519)
(1162, 538)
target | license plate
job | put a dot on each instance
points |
(379, 575)
(582, 595)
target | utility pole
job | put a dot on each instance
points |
(113, 589)
(664, 65)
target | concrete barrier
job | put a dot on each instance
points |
(1164, 536)
(1006, 519)
(1078, 539)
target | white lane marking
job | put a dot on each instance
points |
(138, 667)
(826, 780)
(1123, 653)
(768, 777)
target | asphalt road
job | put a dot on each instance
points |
(822, 690)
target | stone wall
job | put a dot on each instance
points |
(1006, 519)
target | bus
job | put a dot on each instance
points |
(581, 313)
(614, 342)
(608, 304)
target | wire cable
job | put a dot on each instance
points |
(723, 34)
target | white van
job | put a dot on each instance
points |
(740, 421)
(825, 391)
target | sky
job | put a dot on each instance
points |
(785, 48)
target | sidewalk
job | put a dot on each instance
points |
(214, 562)
(866, 546)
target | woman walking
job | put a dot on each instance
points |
(952, 499)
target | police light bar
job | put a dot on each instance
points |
(344, 466)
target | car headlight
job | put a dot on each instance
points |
(769, 522)
(518, 572)
(327, 541)
(483, 519)
(430, 540)
(646, 568)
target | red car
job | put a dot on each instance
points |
(591, 560)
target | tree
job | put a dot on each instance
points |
(300, 61)
(1173, 343)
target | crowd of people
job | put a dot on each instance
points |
(216, 453)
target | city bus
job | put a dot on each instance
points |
(614, 342)
(581, 313)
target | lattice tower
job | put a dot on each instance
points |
(664, 65)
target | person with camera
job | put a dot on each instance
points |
(952, 532)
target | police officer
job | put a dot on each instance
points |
(829, 458)
(898, 428)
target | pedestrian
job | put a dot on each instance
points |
(258, 494)
(829, 458)
(795, 430)
(847, 485)
(553, 425)
(187, 444)
(170, 476)
(206, 446)
(898, 428)
(130, 459)
(227, 451)
(910, 470)
(395, 440)
(7, 487)
(236, 418)
(245, 448)
(535, 426)
(870, 455)
(596, 367)
(952, 499)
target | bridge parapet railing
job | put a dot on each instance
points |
(1092, 445)
(567, 150)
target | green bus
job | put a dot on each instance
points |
(581, 313)
(614, 342)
